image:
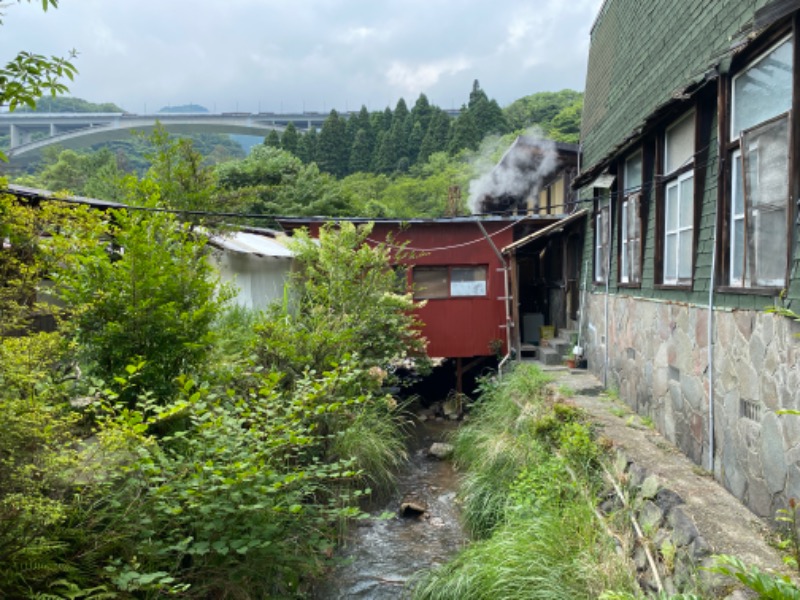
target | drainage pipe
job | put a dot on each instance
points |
(506, 299)
(608, 280)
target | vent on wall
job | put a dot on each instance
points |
(749, 410)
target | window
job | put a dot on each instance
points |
(758, 207)
(630, 225)
(446, 282)
(678, 230)
(601, 246)
(678, 203)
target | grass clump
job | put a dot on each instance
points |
(531, 478)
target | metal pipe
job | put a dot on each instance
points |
(505, 285)
(608, 280)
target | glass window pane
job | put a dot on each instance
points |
(764, 90)
(685, 255)
(633, 172)
(430, 282)
(687, 195)
(672, 206)
(737, 251)
(468, 281)
(670, 257)
(679, 146)
(765, 158)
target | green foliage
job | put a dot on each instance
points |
(346, 300)
(28, 76)
(538, 537)
(73, 105)
(235, 487)
(766, 585)
(541, 109)
(151, 299)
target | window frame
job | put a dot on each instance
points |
(667, 181)
(630, 274)
(449, 268)
(733, 177)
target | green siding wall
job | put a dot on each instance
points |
(645, 51)
(655, 52)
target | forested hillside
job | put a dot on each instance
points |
(405, 162)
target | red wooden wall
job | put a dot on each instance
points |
(456, 326)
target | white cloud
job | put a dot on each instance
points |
(413, 79)
(317, 54)
(357, 35)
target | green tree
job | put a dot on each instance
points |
(307, 149)
(487, 115)
(437, 136)
(566, 125)
(422, 112)
(79, 173)
(332, 147)
(348, 300)
(360, 153)
(75, 105)
(539, 109)
(153, 300)
(28, 76)
(273, 139)
(465, 133)
(290, 139)
(184, 180)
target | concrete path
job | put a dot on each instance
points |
(726, 524)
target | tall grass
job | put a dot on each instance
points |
(536, 529)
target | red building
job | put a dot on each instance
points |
(459, 270)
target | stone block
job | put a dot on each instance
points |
(773, 459)
(683, 529)
(666, 500)
(650, 517)
(758, 498)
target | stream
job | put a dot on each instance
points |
(381, 555)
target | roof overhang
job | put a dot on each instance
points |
(556, 227)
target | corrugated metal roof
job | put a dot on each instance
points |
(29, 192)
(554, 228)
(251, 243)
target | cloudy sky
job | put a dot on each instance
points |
(314, 55)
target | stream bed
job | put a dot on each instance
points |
(381, 555)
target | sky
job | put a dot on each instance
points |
(307, 55)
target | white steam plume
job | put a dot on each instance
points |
(518, 175)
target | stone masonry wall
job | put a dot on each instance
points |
(658, 360)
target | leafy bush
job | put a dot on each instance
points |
(150, 298)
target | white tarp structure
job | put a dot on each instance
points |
(256, 263)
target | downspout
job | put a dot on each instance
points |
(710, 342)
(608, 283)
(506, 299)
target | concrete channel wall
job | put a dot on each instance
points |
(658, 359)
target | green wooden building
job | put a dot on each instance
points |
(689, 137)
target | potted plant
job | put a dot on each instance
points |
(570, 360)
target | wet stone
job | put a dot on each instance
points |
(440, 450)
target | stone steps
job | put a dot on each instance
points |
(551, 352)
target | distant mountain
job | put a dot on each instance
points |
(184, 108)
(59, 104)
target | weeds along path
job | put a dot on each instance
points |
(726, 524)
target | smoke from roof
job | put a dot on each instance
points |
(518, 176)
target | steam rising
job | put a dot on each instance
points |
(518, 176)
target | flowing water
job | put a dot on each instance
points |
(381, 555)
